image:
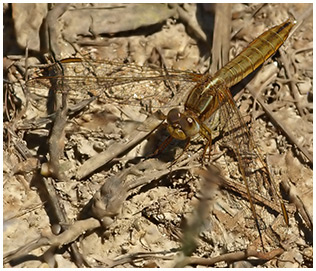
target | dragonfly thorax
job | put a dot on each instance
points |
(182, 125)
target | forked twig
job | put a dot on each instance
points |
(235, 256)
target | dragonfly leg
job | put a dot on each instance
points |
(207, 147)
(187, 144)
(163, 145)
(206, 133)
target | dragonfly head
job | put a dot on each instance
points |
(181, 125)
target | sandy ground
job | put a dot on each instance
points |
(87, 191)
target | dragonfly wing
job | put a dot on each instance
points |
(117, 82)
(254, 173)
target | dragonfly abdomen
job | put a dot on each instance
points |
(255, 54)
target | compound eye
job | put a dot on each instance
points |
(174, 116)
(190, 126)
(186, 123)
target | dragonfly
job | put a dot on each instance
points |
(209, 102)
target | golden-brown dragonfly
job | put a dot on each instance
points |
(209, 103)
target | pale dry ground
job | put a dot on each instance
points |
(150, 212)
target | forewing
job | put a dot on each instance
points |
(116, 82)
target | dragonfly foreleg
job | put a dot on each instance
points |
(163, 145)
(166, 142)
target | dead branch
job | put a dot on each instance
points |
(236, 256)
